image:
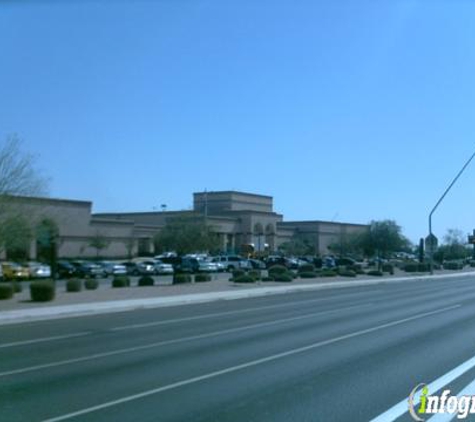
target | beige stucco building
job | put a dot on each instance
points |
(238, 218)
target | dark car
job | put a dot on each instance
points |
(257, 264)
(65, 269)
(187, 265)
(88, 269)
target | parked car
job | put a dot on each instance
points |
(207, 266)
(257, 264)
(65, 269)
(220, 267)
(139, 268)
(88, 269)
(234, 262)
(112, 268)
(39, 270)
(14, 271)
(161, 268)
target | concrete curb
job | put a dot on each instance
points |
(96, 308)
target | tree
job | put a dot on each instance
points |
(382, 238)
(186, 235)
(18, 177)
(298, 245)
(454, 246)
(18, 172)
(98, 242)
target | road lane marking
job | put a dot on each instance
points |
(401, 408)
(218, 314)
(246, 365)
(175, 341)
(43, 340)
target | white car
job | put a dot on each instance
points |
(162, 268)
(39, 270)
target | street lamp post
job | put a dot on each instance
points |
(437, 204)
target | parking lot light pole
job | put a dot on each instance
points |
(437, 204)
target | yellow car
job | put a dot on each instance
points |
(14, 271)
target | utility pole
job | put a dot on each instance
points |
(437, 204)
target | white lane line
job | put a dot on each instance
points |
(218, 314)
(245, 365)
(175, 341)
(43, 340)
(402, 407)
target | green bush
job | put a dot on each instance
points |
(306, 268)
(453, 265)
(285, 277)
(6, 291)
(246, 278)
(120, 281)
(308, 274)
(255, 274)
(42, 291)
(91, 284)
(238, 273)
(375, 273)
(388, 268)
(268, 278)
(146, 280)
(328, 273)
(74, 285)
(17, 286)
(472, 263)
(347, 273)
(202, 277)
(411, 267)
(277, 269)
(181, 278)
(422, 267)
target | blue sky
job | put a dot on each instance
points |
(341, 110)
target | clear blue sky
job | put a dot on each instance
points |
(341, 110)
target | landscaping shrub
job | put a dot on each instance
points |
(120, 281)
(268, 278)
(411, 267)
(347, 273)
(308, 274)
(42, 291)
(238, 273)
(423, 267)
(6, 291)
(91, 284)
(181, 278)
(285, 277)
(306, 268)
(255, 274)
(375, 273)
(328, 273)
(277, 269)
(453, 265)
(17, 286)
(202, 277)
(472, 263)
(388, 268)
(246, 278)
(74, 285)
(146, 280)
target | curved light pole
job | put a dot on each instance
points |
(439, 201)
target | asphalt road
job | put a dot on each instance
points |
(332, 355)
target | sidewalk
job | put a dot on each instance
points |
(107, 299)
